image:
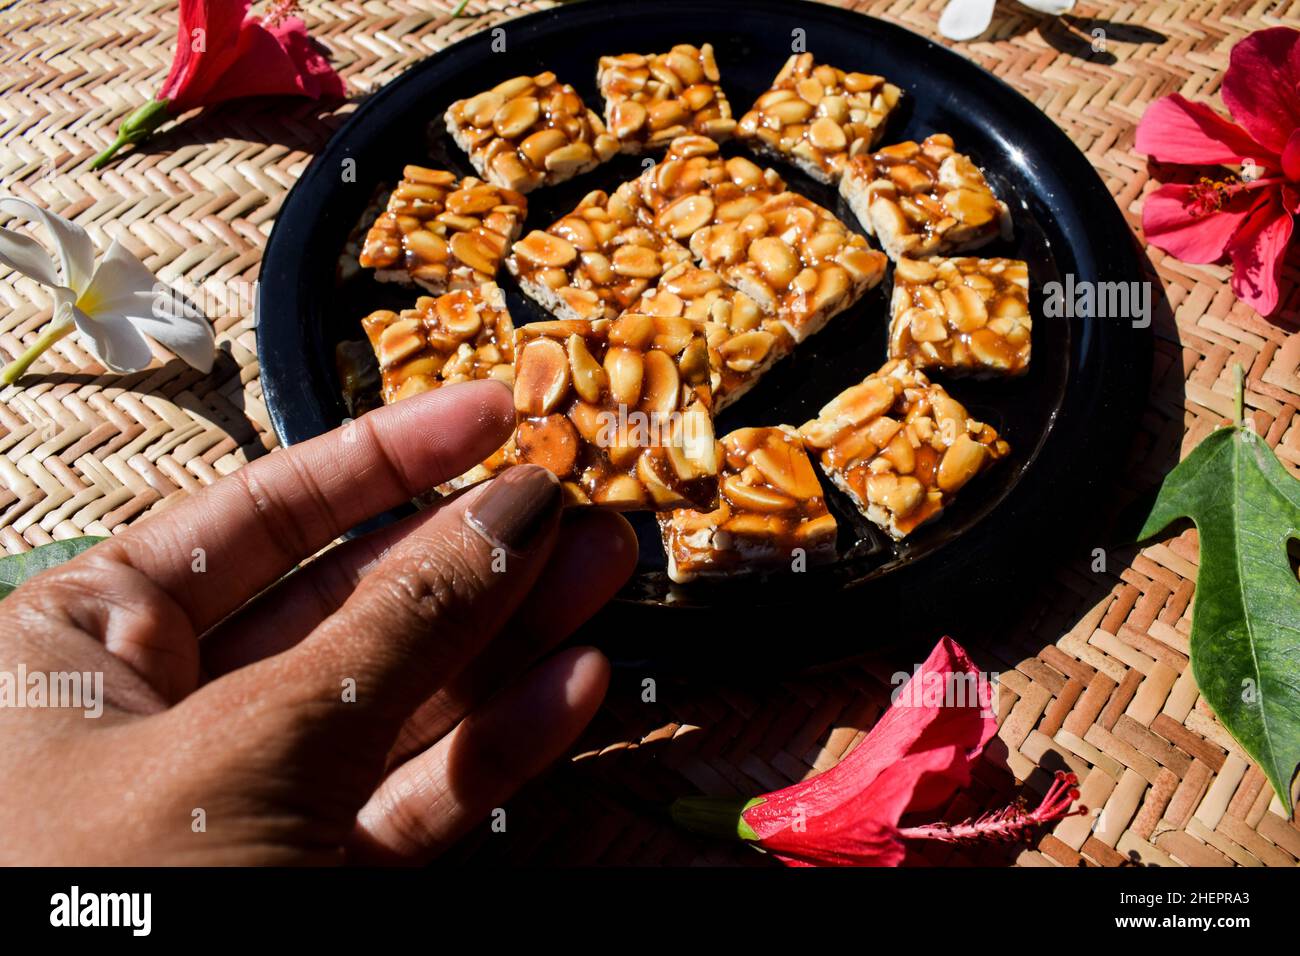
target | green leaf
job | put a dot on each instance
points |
(1245, 643)
(17, 568)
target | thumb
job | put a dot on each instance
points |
(427, 608)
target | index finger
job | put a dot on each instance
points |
(255, 525)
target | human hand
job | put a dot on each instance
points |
(226, 691)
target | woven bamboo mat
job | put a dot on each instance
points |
(1094, 672)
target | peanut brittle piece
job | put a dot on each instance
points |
(596, 261)
(963, 315)
(619, 410)
(796, 260)
(923, 198)
(529, 131)
(652, 98)
(743, 342)
(770, 506)
(900, 447)
(816, 116)
(348, 264)
(693, 187)
(493, 465)
(442, 232)
(459, 336)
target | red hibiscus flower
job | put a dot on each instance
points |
(223, 52)
(913, 761)
(1247, 216)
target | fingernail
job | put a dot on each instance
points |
(516, 507)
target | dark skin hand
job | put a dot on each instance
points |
(227, 689)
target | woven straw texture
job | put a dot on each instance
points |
(1094, 675)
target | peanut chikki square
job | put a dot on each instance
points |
(743, 342)
(441, 232)
(597, 260)
(770, 505)
(348, 264)
(529, 131)
(900, 447)
(652, 98)
(817, 116)
(693, 187)
(962, 315)
(457, 337)
(619, 410)
(796, 260)
(497, 462)
(918, 199)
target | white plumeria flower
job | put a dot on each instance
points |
(114, 304)
(967, 19)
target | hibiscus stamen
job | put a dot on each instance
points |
(1208, 196)
(280, 11)
(1009, 824)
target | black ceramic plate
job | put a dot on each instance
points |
(1065, 420)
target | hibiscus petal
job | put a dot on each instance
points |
(318, 78)
(1168, 223)
(1291, 157)
(1261, 86)
(965, 19)
(1176, 130)
(865, 832)
(1291, 198)
(76, 250)
(1053, 7)
(207, 43)
(123, 286)
(1257, 252)
(915, 723)
(114, 340)
(263, 67)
